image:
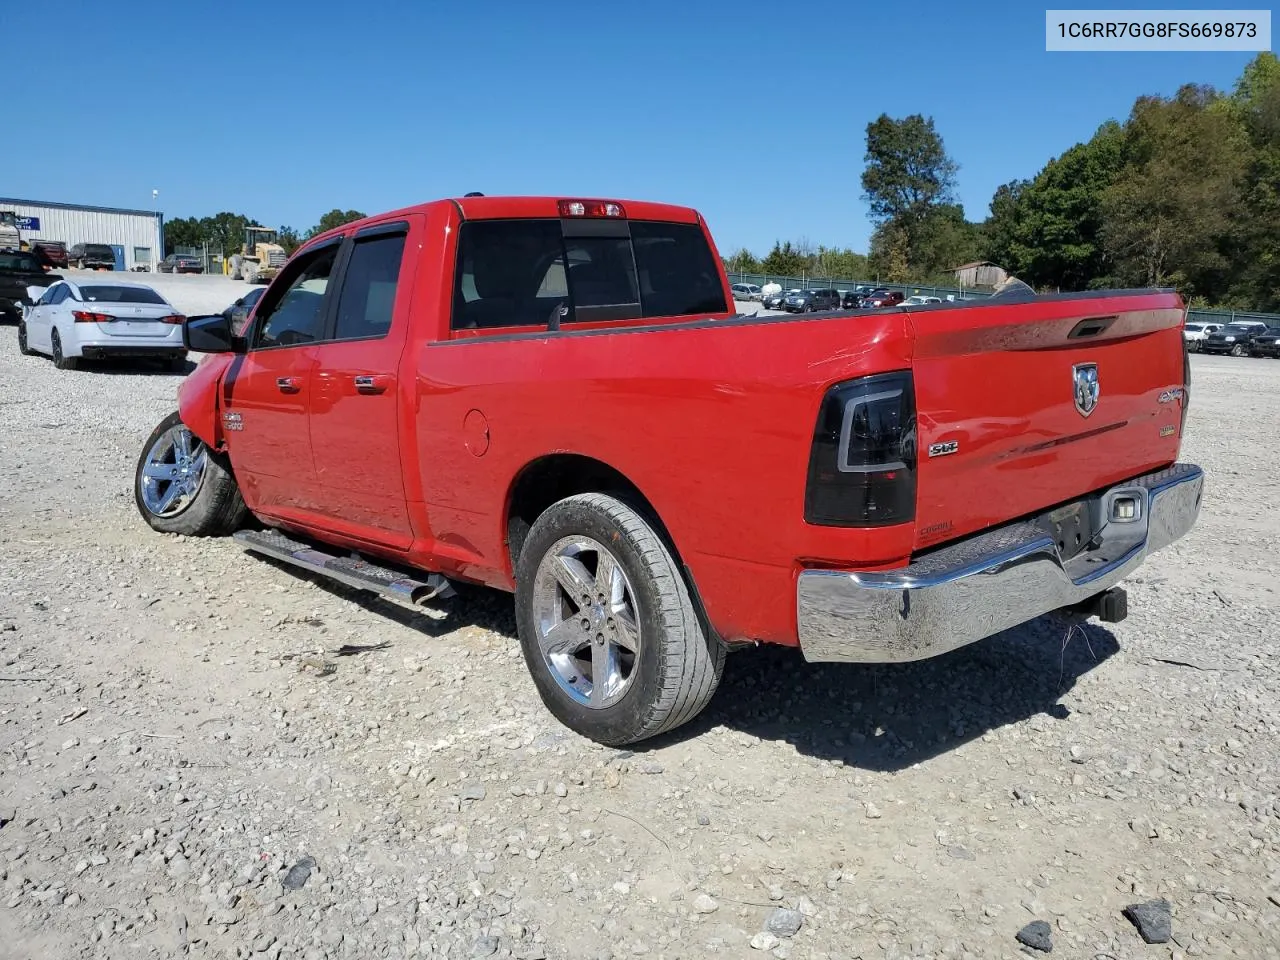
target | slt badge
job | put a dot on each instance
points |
(1084, 378)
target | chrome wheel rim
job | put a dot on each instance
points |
(587, 622)
(173, 472)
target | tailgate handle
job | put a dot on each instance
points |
(1090, 328)
(376, 384)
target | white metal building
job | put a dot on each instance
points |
(137, 236)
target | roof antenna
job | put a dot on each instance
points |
(474, 193)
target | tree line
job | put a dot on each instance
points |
(1184, 193)
(224, 232)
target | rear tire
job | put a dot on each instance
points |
(644, 617)
(181, 486)
(61, 360)
(23, 347)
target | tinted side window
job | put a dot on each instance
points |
(369, 289)
(298, 315)
(677, 273)
(510, 273)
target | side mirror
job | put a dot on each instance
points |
(211, 334)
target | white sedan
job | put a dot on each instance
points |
(96, 319)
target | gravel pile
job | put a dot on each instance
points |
(203, 754)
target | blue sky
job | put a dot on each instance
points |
(754, 113)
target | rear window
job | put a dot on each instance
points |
(527, 272)
(20, 262)
(116, 294)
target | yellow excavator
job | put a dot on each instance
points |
(259, 259)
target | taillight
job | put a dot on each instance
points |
(862, 465)
(83, 316)
(173, 318)
(591, 208)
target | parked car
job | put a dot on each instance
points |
(51, 253)
(1234, 338)
(397, 442)
(1266, 344)
(89, 319)
(920, 301)
(1196, 333)
(180, 263)
(92, 256)
(238, 313)
(881, 298)
(809, 301)
(21, 273)
(774, 301)
(746, 291)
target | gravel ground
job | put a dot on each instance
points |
(186, 730)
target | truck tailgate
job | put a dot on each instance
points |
(1022, 406)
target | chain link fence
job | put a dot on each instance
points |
(1194, 315)
(822, 283)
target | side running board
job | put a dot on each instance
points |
(351, 570)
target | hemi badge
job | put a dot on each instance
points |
(1167, 431)
(231, 421)
(944, 449)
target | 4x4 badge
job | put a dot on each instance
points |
(1084, 378)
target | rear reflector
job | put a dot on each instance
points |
(82, 316)
(591, 208)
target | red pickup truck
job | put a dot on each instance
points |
(554, 397)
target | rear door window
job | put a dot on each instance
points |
(530, 272)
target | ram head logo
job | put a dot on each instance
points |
(1084, 377)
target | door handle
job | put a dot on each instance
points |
(374, 384)
(289, 384)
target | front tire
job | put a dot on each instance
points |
(1238, 350)
(607, 626)
(181, 486)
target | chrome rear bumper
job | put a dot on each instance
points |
(988, 583)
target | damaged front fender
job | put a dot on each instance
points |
(200, 398)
